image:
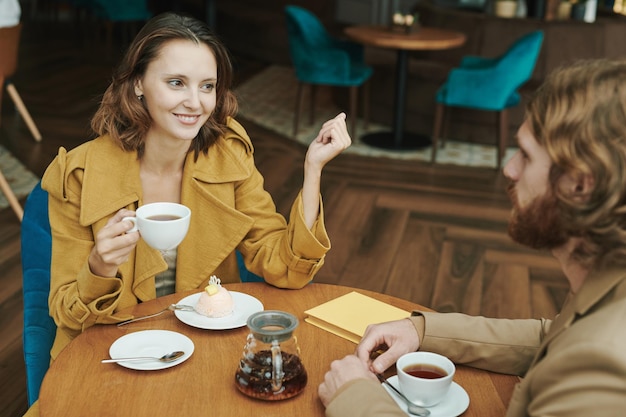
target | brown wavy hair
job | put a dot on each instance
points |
(579, 116)
(126, 119)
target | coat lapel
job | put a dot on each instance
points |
(216, 227)
(596, 287)
(106, 190)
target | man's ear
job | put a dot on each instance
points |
(577, 186)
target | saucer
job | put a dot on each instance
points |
(245, 306)
(455, 403)
(151, 343)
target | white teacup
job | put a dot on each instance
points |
(162, 225)
(425, 377)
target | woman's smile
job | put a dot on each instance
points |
(188, 119)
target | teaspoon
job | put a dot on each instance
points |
(168, 357)
(171, 307)
(413, 408)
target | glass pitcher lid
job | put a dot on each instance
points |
(272, 325)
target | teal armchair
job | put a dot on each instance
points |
(320, 59)
(39, 328)
(489, 84)
(122, 10)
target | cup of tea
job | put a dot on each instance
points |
(161, 225)
(425, 377)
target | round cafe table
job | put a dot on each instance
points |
(422, 39)
(77, 384)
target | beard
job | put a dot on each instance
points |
(538, 225)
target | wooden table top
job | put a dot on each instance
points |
(424, 38)
(77, 384)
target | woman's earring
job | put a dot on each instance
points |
(140, 97)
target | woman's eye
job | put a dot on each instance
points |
(175, 83)
(208, 87)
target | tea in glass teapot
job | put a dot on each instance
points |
(270, 367)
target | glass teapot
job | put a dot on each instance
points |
(270, 367)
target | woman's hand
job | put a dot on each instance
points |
(342, 371)
(395, 337)
(332, 139)
(113, 245)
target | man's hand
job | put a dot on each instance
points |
(342, 371)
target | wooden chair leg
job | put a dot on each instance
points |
(354, 93)
(366, 105)
(296, 118)
(445, 132)
(23, 111)
(11, 198)
(437, 124)
(312, 104)
(503, 133)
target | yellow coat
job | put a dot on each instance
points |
(230, 210)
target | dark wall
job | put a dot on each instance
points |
(254, 28)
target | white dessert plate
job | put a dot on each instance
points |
(455, 403)
(154, 343)
(245, 306)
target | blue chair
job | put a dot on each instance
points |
(244, 274)
(489, 84)
(39, 329)
(121, 10)
(320, 59)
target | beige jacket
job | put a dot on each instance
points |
(230, 210)
(574, 366)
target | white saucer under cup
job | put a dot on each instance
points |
(454, 404)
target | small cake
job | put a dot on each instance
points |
(215, 301)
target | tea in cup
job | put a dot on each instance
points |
(425, 377)
(162, 225)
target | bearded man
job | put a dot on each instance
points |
(568, 189)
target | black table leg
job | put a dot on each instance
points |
(398, 139)
(399, 106)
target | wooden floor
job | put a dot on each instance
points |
(435, 235)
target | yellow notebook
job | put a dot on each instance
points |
(349, 315)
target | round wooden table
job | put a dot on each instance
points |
(77, 384)
(424, 38)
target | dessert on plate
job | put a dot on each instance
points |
(215, 301)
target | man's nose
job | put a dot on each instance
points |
(511, 168)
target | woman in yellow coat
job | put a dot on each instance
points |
(167, 133)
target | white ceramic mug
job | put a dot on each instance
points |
(161, 225)
(434, 377)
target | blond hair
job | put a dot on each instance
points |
(579, 116)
